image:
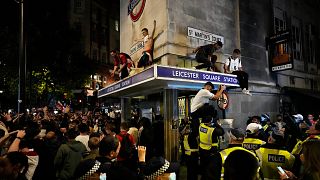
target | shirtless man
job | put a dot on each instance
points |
(146, 58)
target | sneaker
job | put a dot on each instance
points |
(247, 92)
(193, 68)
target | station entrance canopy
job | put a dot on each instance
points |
(159, 77)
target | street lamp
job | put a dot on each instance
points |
(22, 62)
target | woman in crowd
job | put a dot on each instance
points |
(310, 158)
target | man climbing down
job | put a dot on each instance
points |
(204, 54)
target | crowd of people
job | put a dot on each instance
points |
(95, 145)
(286, 148)
(44, 145)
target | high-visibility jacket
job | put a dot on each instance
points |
(252, 143)
(271, 158)
(265, 127)
(205, 134)
(298, 147)
(187, 149)
(225, 153)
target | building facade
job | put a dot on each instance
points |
(181, 26)
(98, 24)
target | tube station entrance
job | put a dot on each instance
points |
(163, 93)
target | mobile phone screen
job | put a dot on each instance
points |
(282, 171)
(103, 176)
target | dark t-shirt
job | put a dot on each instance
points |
(207, 49)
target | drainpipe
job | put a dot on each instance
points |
(237, 24)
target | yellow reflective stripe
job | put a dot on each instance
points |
(187, 148)
(224, 156)
(212, 144)
(209, 135)
(193, 150)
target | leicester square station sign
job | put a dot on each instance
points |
(135, 9)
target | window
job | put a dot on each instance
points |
(78, 27)
(94, 33)
(116, 25)
(103, 36)
(292, 80)
(77, 6)
(296, 39)
(279, 20)
(95, 54)
(104, 58)
(310, 44)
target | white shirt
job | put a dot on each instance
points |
(201, 98)
(84, 139)
(235, 64)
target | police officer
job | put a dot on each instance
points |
(191, 151)
(209, 132)
(214, 170)
(274, 155)
(314, 133)
(184, 129)
(252, 141)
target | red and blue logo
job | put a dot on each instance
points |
(135, 9)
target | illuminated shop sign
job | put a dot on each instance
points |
(194, 75)
(280, 50)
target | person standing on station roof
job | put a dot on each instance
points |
(146, 58)
(204, 54)
(233, 66)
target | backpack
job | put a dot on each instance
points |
(127, 149)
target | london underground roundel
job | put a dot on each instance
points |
(223, 101)
(135, 9)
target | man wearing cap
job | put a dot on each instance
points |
(273, 154)
(191, 155)
(251, 141)
(209, 132)
(215, 170)
(266, 123)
